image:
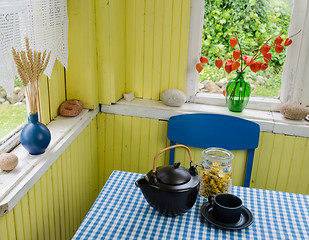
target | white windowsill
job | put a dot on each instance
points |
(269, 121)
(16, 183)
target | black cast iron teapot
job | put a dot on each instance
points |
(172, 190)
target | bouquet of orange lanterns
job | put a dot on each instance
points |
(237, 60)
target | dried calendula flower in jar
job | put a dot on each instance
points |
(216, 172)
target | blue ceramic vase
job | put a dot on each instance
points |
(35, 136)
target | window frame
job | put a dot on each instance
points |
(293, 57)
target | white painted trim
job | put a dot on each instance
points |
(195, 45)
(258, 103)
(269, 121)
(15, 184)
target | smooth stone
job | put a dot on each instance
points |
(128, 96)
(71, 108)
(173, 97)
(8, 161)
(294, 111)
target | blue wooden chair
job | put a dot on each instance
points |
(203, 130)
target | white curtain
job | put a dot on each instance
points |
(44, 22)
(295, 81)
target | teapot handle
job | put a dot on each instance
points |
(154, 168)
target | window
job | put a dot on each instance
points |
(293, 78)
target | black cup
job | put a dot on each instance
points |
(226, 207)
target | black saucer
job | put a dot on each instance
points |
(246, 218)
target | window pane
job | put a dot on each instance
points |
(253, 22)
(12, 109)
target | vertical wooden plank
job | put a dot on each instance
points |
(303, 185)
(81, 80)
(109, 145)
(118, 143)
(3, 228)
(88, 169)
(135, 144)
(117, 22)
(157, 49)
(101, 146)
(256, 161)
(70, 193)
(148, 55)
(66, 194)
(103, 50)
(49, 203)
(84, 161)
(296, 164)
(284, 169)
(144, 146)
(153, 142)
(75, 193)
(166, 44)
(32, 210)
(130, 25)
(44, 99)
(239, 167)
(184, 44)
(39, 210)
(11, 226)
(265, 149)
(162, 143)
(26, 217)
(56, 89)
(175, 46)
(126, 143)
(61, 197)
(276, 155)
(45, 204)
(18, 219)
(55, 197)
(95, 157)
(139, 47)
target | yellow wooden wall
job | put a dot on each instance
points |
(56, 205)
(130, 143)
(142, 46)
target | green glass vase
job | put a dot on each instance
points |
(238, 93)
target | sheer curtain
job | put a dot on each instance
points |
(44, 22)
(295, 80)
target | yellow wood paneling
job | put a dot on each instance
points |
(3, 229)
(142, 46)
(103, 51)
(175, 44)
(110, 42)
(130, 46)
(166, 44)
(11, 225)
(184, 43)
(44, 100)
(56, 88)
(149, 45)
(117, 21)
(55, 206)
(81, 75)
(280, 163)
(139, 47)
(157, 49)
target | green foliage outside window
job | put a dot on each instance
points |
(253, 22)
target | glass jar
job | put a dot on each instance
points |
(216, 171)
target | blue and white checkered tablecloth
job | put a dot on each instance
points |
(121, 212)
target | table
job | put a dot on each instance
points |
(121, 212)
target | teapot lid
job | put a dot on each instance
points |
(173, 175)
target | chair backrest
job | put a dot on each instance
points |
(204, 130)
